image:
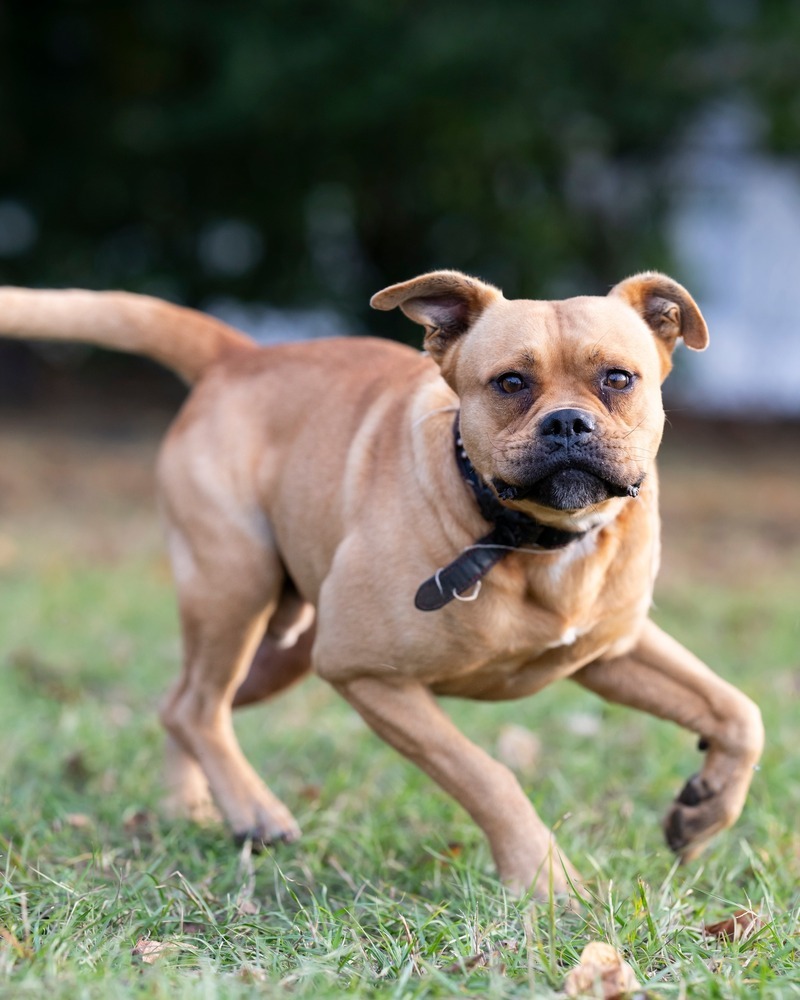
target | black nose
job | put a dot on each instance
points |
(568, 427)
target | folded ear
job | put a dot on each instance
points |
(446, 303)
(668, 309)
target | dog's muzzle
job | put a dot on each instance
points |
(567, 488)
(566, 468)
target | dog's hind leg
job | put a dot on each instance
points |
(282, 658)
(274, 668)
(229, 579)
(661, 677)
(222, 617)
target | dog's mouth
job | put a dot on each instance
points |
(571, 487)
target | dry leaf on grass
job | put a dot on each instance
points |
(742, 925)
(519, 748)
(78, 821)
(148, 951)
(602, 973)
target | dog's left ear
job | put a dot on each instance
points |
(446, 303)
(668, 309)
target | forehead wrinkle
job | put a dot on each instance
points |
(517, 339)
(586, 326)
(544, 323)
(570, 335)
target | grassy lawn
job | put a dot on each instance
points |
(390, 893)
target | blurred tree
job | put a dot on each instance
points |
(300, 150)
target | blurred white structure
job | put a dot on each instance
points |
(736, 235)
(268, 325)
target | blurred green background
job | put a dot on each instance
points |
(304, 154)
(301, 151)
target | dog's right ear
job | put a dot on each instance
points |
(446, 303)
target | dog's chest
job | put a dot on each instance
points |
(512, 660)
(513, 644)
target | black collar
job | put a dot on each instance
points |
(511, 530)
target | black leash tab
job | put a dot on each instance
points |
(458, 577)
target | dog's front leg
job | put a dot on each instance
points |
(661, 677)
(406, 715)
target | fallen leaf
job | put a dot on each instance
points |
(149, 951)
(742, 925)
(601, 973)
(78, 821)
(519, 748)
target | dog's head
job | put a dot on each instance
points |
(560, 401)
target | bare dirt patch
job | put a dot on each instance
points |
(730, 500)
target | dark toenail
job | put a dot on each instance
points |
(253, 836)
(673, 831)
(258, 840)
(694, 791)
(702, 744)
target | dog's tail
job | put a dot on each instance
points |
(187, 341)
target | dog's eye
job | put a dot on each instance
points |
(617, 379)
(511, 382)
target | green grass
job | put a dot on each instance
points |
(391, 892)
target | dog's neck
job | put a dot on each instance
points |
(511, 529)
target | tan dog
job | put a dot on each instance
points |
(327, 476)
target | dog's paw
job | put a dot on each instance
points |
(199, 809)
(696, 815)
(269, 831)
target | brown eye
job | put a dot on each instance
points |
(617, 379)
(511, 382)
